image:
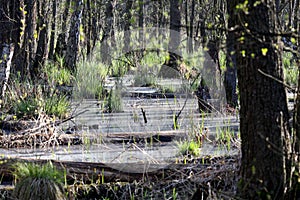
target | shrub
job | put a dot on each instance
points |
(38, 182)
(58, 75)
(57, 105)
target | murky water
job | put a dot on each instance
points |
(131, 136)
(103, 133)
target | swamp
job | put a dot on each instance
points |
(149, 99)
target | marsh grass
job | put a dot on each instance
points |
(227, 138)
(290, 69)
(144, 79)
(90, 80)
(28, 100)
(188, 148)
(58, 106)
(35, 181)
(58, 75)
(114, 101)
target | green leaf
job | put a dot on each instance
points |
(264, 51)
(35, 35)
(243, 52)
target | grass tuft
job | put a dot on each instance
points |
(38, 182)
(189, 148)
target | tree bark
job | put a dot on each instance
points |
(231, 72)
(5, 65)
(10, 39)
(42, 47)
(127, 33)
(175, 39)
(191, 28)
(74, 37)
(24, 61)
(141, 24)
(175, 23)
(295, 193)
(53, 29)
(61, 45)
(264, 113)
(108, 26)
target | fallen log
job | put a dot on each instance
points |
(210, 176)
(107, 172)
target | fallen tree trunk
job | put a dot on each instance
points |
(210, 176)
(107, 172)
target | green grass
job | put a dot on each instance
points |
(188, 148)
(57, 105)
(225, 137)
(144, 79)
(27, 107)
(58, 75)
(114, 101)
(89, 81)
(290, 69)
(35, 181)
(27, 101)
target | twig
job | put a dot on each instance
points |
(277, 80)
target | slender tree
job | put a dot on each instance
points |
(141, 22)
(107, 37)
(296, 125)
(74, 37)
(53, 29)
(230, 75)
(127, 22)
(175, 24)
(26, 53)
(10, 35)
(61, 44)
(42, 46)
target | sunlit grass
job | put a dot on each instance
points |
(290, 69)
(188, 148)
(90, 80)
(58, 75)
(35, 181)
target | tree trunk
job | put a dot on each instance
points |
(61, 45)
(74, 37)
(175, 23)
(10, 38)
(175, 39)
(141, 24)
(187, 28)
(105, 49)
(230, 73)
(295, 193)
(24, 61)
(127, 33)
(42, 47)
(53, 29)
(89, 28)
(191, 27)
(264, 113)
(5, 65)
